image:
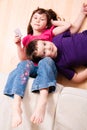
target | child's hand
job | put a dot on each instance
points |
(84, 8)
(54, 22)
(17, 40)
(18, 36)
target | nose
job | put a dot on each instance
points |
(48, 48)
(37, 20)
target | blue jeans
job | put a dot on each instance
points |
(45, 74)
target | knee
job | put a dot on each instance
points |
(47, 60)
(48, 64)
(25, 63)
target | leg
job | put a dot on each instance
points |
(46, 75)
(45, 82)
(20, 82)
(17, 79)
(17, 111)
(15, 87)
(38, 115)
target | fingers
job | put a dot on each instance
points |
(17, 39)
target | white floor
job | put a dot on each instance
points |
(5, 114)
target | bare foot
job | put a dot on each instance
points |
(17, 116)
(38, 115)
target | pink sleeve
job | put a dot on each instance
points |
(25, 40)
(47, 34)
(50, 31)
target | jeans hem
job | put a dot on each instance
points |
(52, 88)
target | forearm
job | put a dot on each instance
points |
(76, 25)
(20, 49)
(21, 53)
(80, 77)
(61, 26)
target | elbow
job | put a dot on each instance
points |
(74, 29)
(68, 25)
(78, 80)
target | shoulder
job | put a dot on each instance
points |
(26, 39)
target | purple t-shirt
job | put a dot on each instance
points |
(72, 52)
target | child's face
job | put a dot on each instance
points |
(39, 21)
(46, 49)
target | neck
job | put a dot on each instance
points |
(35, 32)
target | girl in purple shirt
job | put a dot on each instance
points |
(68, 51)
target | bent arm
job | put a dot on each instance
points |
(80, 77)
(61, 26)
(20, 49)
(79, 20)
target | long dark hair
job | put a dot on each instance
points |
(50, 14)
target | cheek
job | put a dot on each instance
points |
(44, 24)
(48, 53)
(31, 23)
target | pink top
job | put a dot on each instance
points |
(46, 35)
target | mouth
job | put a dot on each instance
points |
(36, 24)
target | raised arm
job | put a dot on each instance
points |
(80, 76)
(79, 20)
(74, 27)
(61, 26)
(20, 49)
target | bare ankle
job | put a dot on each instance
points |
(17, 111)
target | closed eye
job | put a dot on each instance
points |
(44, 53)
(35, 17)
(44, 43)
(42, 19)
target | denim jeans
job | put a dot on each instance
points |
(45, 74)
